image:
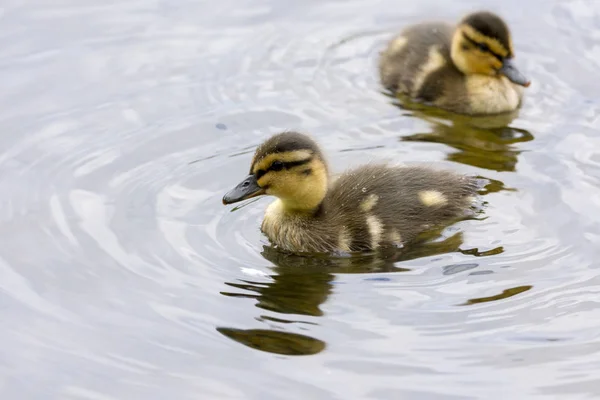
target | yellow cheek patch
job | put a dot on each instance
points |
(497, 64)
(264, 181)
(432, 198)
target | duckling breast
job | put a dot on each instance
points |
(297, 232)
(492, 95)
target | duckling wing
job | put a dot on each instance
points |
(414, 56)
(380, 204)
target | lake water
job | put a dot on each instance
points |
(122, 276)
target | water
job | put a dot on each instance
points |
(123, 277)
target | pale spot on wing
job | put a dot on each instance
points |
(375, 230)
(432, 198)
(367, 204)
(344, 240)
(435, 61)
(395, 237)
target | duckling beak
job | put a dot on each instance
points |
(244, 190)
(510, 71)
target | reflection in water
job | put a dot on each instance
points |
(291, 344)
(494, 186)
(294, 289)
(301, 284)
(458, 268)
(483, 148)
(504, 295)
(114, 249)
(482, 141)
(476, 253)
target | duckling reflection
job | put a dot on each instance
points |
(483, 143)
(468, 68)
(301, 285)
(504, 295)
(293, 290)
(277, 342)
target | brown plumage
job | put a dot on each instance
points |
(467, 68)
(366, 208)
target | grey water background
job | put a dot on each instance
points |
(123, 277)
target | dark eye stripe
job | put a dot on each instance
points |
(476, 43)
(286, 165)
(292, 164)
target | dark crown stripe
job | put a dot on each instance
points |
(290, 145)
(490, 25)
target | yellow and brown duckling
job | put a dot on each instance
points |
(370, 207)
(467, 69)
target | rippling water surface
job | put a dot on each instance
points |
(123, 277)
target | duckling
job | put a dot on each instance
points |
(467, 69)
(372, 207)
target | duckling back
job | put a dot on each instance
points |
(414, 57)
(378, 205)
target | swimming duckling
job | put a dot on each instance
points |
(370, 207)
(467, 69)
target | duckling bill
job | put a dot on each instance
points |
(366, 208)
(468, 68)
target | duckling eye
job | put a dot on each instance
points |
(276, 166)
(483, 47)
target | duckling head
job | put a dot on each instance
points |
(291, 167)
(482, 45)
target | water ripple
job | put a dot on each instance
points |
(123, 124)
